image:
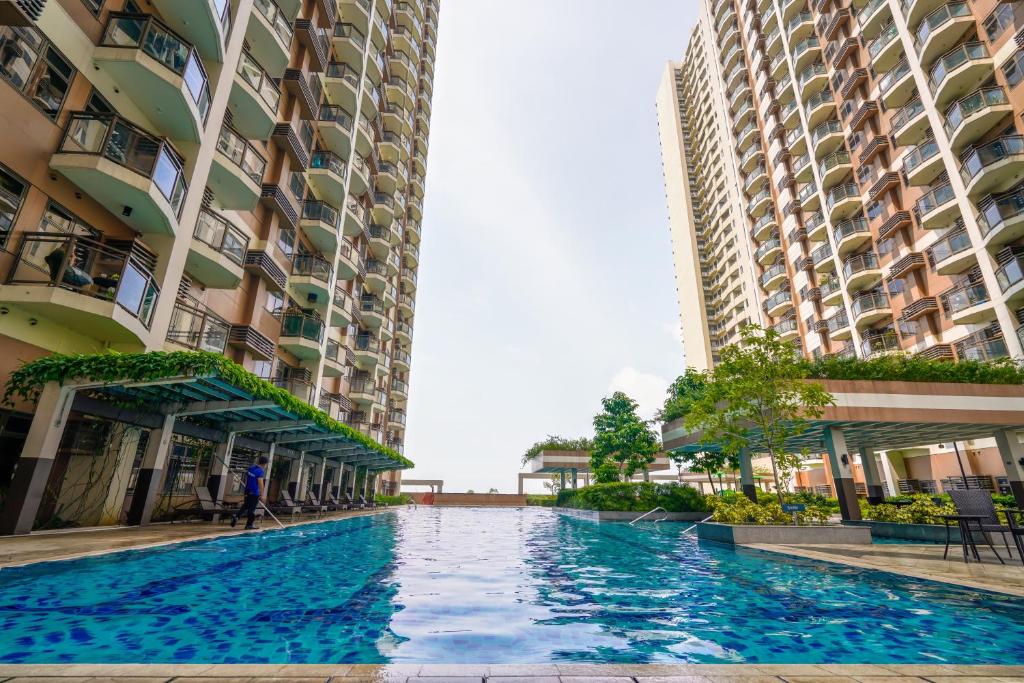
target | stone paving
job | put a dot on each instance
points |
(511, 673)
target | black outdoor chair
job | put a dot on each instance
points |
(1015, 520)
(979, 502)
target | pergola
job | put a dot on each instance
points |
(571, 465)
(206, 407)
(872, 416)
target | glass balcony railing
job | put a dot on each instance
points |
(934, 199)
(384, 200)
(938, 18)
(757, 199)
(963, 297)
(196, 327)
(1010, 273)
(125, 144)
(875, 344)
(960, 55)
(242, 153)
(147, 33)
(320, 211)
(813, 221)
(812, 71)
(920, 154)
(805, 45)
(806, 192)
(842, 192)
(763, 221)
(260, 81)
(860, 263)
(948, 246)
(904, 115)
(344, 72)
(772, 273)
(276, 18)
(822, 253)
(850, 226)
(779, 298)
(892, 76)
(823, 96)
(882, 41)
(350, 32)
(1000, 209)
(365, 342)
(798, 18)
(219, 234)
(327, 161)
(336, 114)
(837, 322)
(870, 301)
(963, 108)
(865, 12)
(311, 265)
(975, 161)
(88, 267)
(982, 350)
(305, 325)
(840, 158)
(829, 285)
(370, 303)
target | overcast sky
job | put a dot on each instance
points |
(546, 278)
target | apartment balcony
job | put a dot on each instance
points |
(394, 148)
(746, 136)
(159, 71)
(830, 289)
(938, 208)
(134, 175)
(982, 349)
(941, 29)
(367, 351)
(399, 92)
(778, 303)
(759, 203)
(808, 198)
(820, 107)
(798, 27)
(411, 252)
(772, 277)
(1001, 218)
(790, 7)
(96, 289)
(376, 278)
(334, 359)
(805, 52)
(302, 334)
(755, 180)
(383, 208)
(843, 201)
(216, 255)
(342, 314)
(917, 10)
(812, 80)
(970, 117)
(897, 86)
(310, 280)
(349, 43)
(838, 327)
(751, 158)
(321, 223)
(359, 175)
(952, 254)
(358, 12)
(856, 78)
(815, 227)
(861, 271)
(254, 100)
(910, 124)
(850, 234)
(823, 259)
(396, 418)
(923, 164)
(372, 311)
(873, 17)
(885, 50)
(869, 308)
(409, 280)
(764, 226)
(204, 23)
(1010, 276)
(967, 304)
(341, 85)
(790, 114)
(194, 326)
(803, 169)
(745, 114)
(261, 264)
(269, 35)
(403, 332)
(401, 359)
(326, 176)
(389, 178)
(920, 308)
(960, 71)
(834, 167)
(237, 171)
(879, 344)
(407, 304)
(365, 393)
(993, 167)
(335, 126)
(732, 57)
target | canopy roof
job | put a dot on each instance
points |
(209, 390)
(890, 415)
(552, 461)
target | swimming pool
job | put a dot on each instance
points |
(494, 586)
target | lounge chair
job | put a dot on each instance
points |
(326, 506)
(338, 505)
(367, 504)
(286, 498)
(204, 507)
(979, 502)
(352, 505)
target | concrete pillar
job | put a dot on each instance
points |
(355, 476)
(575, 478)
(269, 470)
(151, 473)
(36, 461)
(521, 479)
(876, 494)
(369, 485)
(1011, 452)
(220, 468)
(295, 476)
(339, 471)
(561, 480)
(842, 473)
(321, 472)
(747, 475)
(891, 487)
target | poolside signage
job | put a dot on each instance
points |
(794, 507)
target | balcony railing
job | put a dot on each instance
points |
(778, 298)
(328, 161)
(858, 263)
(768, 246)
(821, 253)
(370, 303)
(219, 234)
(1010, 273)
(849, 227)
(301, 389)
(948, 246)
(960, 55)
(904, 115)
(313, 266)
(320, 211)
(963, 108)
(838, 322)
(351, 33)
(976, 160)
(920, 154)
(841, 192)
(125, 144)
(934, 199)
(998, 209)
(87, 267)
(253, 74)
(823, 129)
(365, 342)
(963, 297)
(300, 324)
(870, 301)
(334, 113)
(890, 78)
(147, 33)
(275, 17)
(939, 17)
(197, 327)
(887, 36)
(242, 153)
(872, 345)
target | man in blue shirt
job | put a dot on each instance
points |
(253, 492)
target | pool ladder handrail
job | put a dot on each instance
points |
(694, 526)
(650, 512)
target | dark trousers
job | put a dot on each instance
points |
(249, 508)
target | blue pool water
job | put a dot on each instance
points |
(488, 586)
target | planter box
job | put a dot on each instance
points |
(926, 533)
(614, 516)
(736, 534)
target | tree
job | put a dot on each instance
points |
(622, 438)
(756, 399)
(492, 490)
(686, 389)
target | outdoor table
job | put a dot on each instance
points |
(964, 523)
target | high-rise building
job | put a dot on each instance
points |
(859, 167)
(875, 152)
(238, 176)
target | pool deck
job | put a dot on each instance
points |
(511, 673)
(919, 561)
(45, 546)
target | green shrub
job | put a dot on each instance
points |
(633, 497)
(403, 499)
(541, 501)
(923, 510)
(735, 508)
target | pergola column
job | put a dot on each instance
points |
(521, 479)
(355, 476)
(575, 478)
(269, 470)
(295, 476)
(842, 473)
(1011, 451)
(747, 475)
(561, 480)
(339, 472)
(891, 487)
(321, 473)
(876, 493)
(36, 460)
(220, 468)
(151, 473)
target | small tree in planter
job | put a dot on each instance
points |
(758, 386)
(621, 439)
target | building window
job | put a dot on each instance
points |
(94, 6)
(275, 303)
(35, 68)
(97, 104)
(999, 20)
(286, 242)
(1013, 68)
(12, 193)
(297, 184)
(58, 219)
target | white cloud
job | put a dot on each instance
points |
(645, 388)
